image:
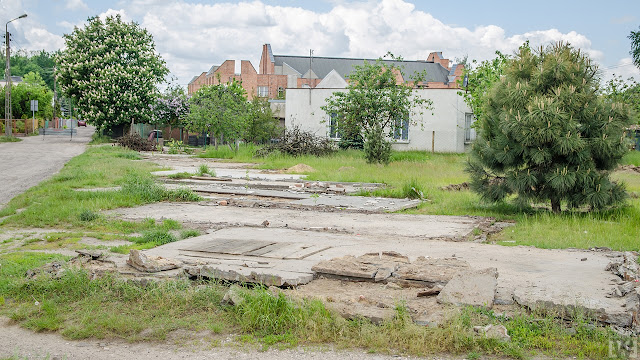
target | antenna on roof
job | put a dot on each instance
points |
(310, 61)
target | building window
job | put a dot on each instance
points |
(469, 131)
(281, 93)
(334, 133)
(401, 130)
(263, 91)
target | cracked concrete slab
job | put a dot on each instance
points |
(539, 276)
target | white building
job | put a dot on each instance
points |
(446, 128)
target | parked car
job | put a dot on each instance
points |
(82, 123)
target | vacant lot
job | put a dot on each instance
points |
(54, 217)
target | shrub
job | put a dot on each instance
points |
(296, 142)
(87, 215)
(136, 143)
(377, 149)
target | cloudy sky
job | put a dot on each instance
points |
(193, 35)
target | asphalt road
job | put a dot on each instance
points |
(26, 163)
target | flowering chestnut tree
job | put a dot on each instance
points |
(111, 70)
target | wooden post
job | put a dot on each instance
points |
(433, 142)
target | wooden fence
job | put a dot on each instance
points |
(22, 127)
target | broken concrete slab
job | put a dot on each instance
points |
(379, 226)
(504, 296)
(625, 266)
(347, 266)
(493, 332)
(607, 310)
(428, 271)
(240, 274)
(149, 263)
(555, 277)
(475, 288)
(233, 296)
(360, 203)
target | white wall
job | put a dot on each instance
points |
(446, 119)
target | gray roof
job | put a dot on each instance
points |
(344, 66)
(213, 69)
(14, 79)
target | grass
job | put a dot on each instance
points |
(55, 203)
(427, 173)
(245, 153)
(97, 139)
(111, 307)
(632, 158)
(204, 170)
(4, 139)
(180, 175)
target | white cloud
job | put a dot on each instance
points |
(76, 5)
(196, 36)
(624, 68)
(27, 33)
(67, 25)
(40, 38)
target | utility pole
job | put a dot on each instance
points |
(7, 95)
(7, 74)
(55, 98)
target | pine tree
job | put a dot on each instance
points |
(546, 135)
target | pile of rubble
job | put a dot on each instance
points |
(452, 280)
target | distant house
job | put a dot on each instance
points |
(14, 80)
(445, 129)
(307, 81)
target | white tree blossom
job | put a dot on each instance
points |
(111, 69)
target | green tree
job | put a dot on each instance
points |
(39, 62)
(219, 110)
(546, 135)
(634, 36)
(480, 77)
(111, 70)
(261, 125)
(376, 106)
(33, 87)
(624, 91)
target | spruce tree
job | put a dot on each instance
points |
(546, 135)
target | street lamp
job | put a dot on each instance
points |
(7, 75)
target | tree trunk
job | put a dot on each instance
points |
(555, 205)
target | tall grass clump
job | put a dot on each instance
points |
(156, 237)
(412, 190)
(204, 170)
(145, 190)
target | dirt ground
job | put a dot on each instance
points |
(25, 344)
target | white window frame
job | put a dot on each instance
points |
(262, 91)
(401, 133)
(469, 131)
(332, 131)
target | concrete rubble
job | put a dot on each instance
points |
(282, 230)
(471, 287)
(151, 264)
(493, 332)
(389, 266)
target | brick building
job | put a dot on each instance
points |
(280, 72)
